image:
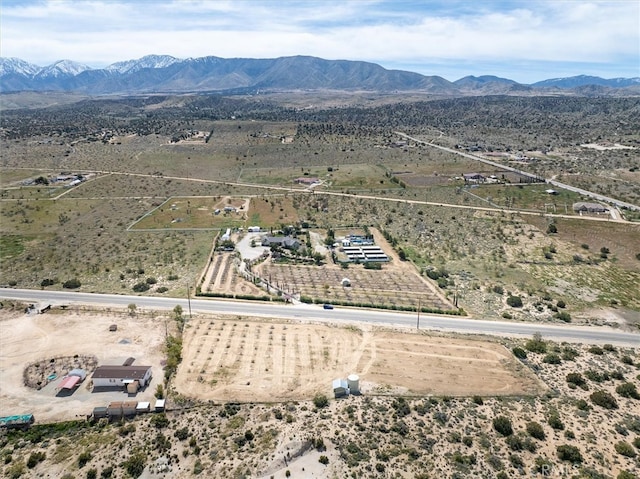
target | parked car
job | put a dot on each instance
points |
(327, 306)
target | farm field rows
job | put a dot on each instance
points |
(231, 360)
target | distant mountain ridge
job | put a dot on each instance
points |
(167, 74)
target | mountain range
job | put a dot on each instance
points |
(167, 74)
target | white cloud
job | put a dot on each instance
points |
(413, 33)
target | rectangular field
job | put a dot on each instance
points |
(230, 360)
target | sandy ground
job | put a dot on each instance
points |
(39, 337)
(248, 361)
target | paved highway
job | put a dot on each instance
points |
(305, 312)
(597, 196)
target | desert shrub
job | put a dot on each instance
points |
(162, 289)
(498, 289)
(626, 359)
(318, 443)
(563, 316)
(495, 462)
(151, 280)
(320, 401)
(141, 287)
(536, 430)
(582, 405)
(514, 301)
(72, 284)
(323, 460)
(507, 315)
(83, 458)
(577, 379)
(44, 283)
(92, 473)
(569, 354)
(536, 344)
(478, 399)
(159, 420)
(555, 421)
(596, 350)
(35, 458)
(502, 425)
(467, 441)
(617, 374)
(543, 466)
(603, 399)
(568, 453)
(135, 464)
(595, 376)
(182, 433)
(636, 442)
(519, 353)
(626, 474)
(552, 358)
(516, 461)
(609, 347)
(628, 390)
(107, 472)
(625, 449)
(561, 304)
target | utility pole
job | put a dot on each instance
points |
(189, 299)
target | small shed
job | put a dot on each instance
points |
(143, 406)
(129, 408)
(69, 382)
(346, 282)
(340, 388)
(114, 410)
(20, 421)
(132, 386)
(99, 412)
(160, 404)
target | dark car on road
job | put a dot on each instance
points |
(327, 306)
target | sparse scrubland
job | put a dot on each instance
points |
(142, 219)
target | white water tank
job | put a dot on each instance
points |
(353, 381)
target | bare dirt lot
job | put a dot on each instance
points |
(25, 339)
(226, 360)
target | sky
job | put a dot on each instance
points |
(526, 41)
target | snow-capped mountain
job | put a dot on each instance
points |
(16, 66)
(167, 74)
(149, 61)
(62, 68)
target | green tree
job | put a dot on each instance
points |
(625, 449)
(320, 401)
(502, 424)
(135, 464)
(536, 430)
(514, 301)
(569, 453)
(603, 399)
(628, 390)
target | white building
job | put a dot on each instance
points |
(120, 376)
